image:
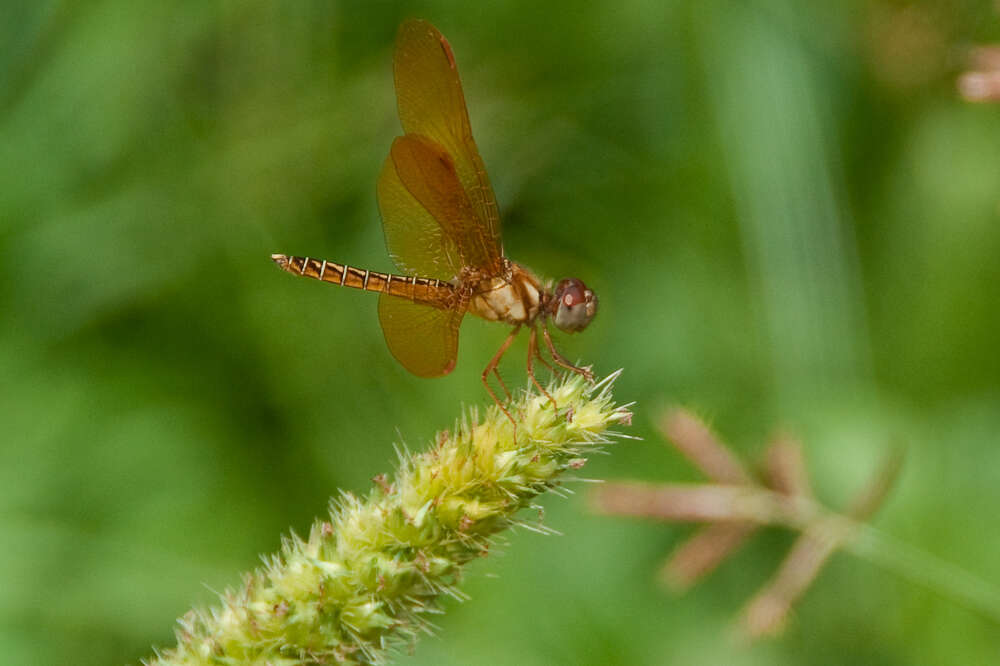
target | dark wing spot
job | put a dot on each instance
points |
(447, 162)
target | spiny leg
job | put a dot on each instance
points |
(558, 358)
(532, 353)
(538, 355)
(506, 392)
(491, 367)
(556, 372)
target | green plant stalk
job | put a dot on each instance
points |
(365, 580)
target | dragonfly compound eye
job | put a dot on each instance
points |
(576, 305)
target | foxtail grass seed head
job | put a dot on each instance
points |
(366, 578)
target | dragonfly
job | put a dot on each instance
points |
(442, 230)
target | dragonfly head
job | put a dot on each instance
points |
(574, 305)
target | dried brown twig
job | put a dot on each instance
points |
(734, 505)
(981, 83)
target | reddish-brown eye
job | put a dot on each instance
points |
(576, 305)
(572, 291)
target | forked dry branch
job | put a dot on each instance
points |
(734, 504)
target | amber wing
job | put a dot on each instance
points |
(428, 173)
(438, 211)
(416, 242)
(422, 338)
(432, 106)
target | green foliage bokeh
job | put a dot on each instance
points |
(789, 215)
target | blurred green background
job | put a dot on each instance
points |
(788, 214)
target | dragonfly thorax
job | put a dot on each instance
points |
(516, 298)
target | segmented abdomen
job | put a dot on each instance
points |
(419, 289)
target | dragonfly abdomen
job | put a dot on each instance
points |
(420, 289)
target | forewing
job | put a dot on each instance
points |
(424, 339)
(416, 242)
(427, 172)
(431, 104)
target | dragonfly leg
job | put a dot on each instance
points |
(561, 361)
(538, 355)
(506, 392)
(491, 367)
(532, 353)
